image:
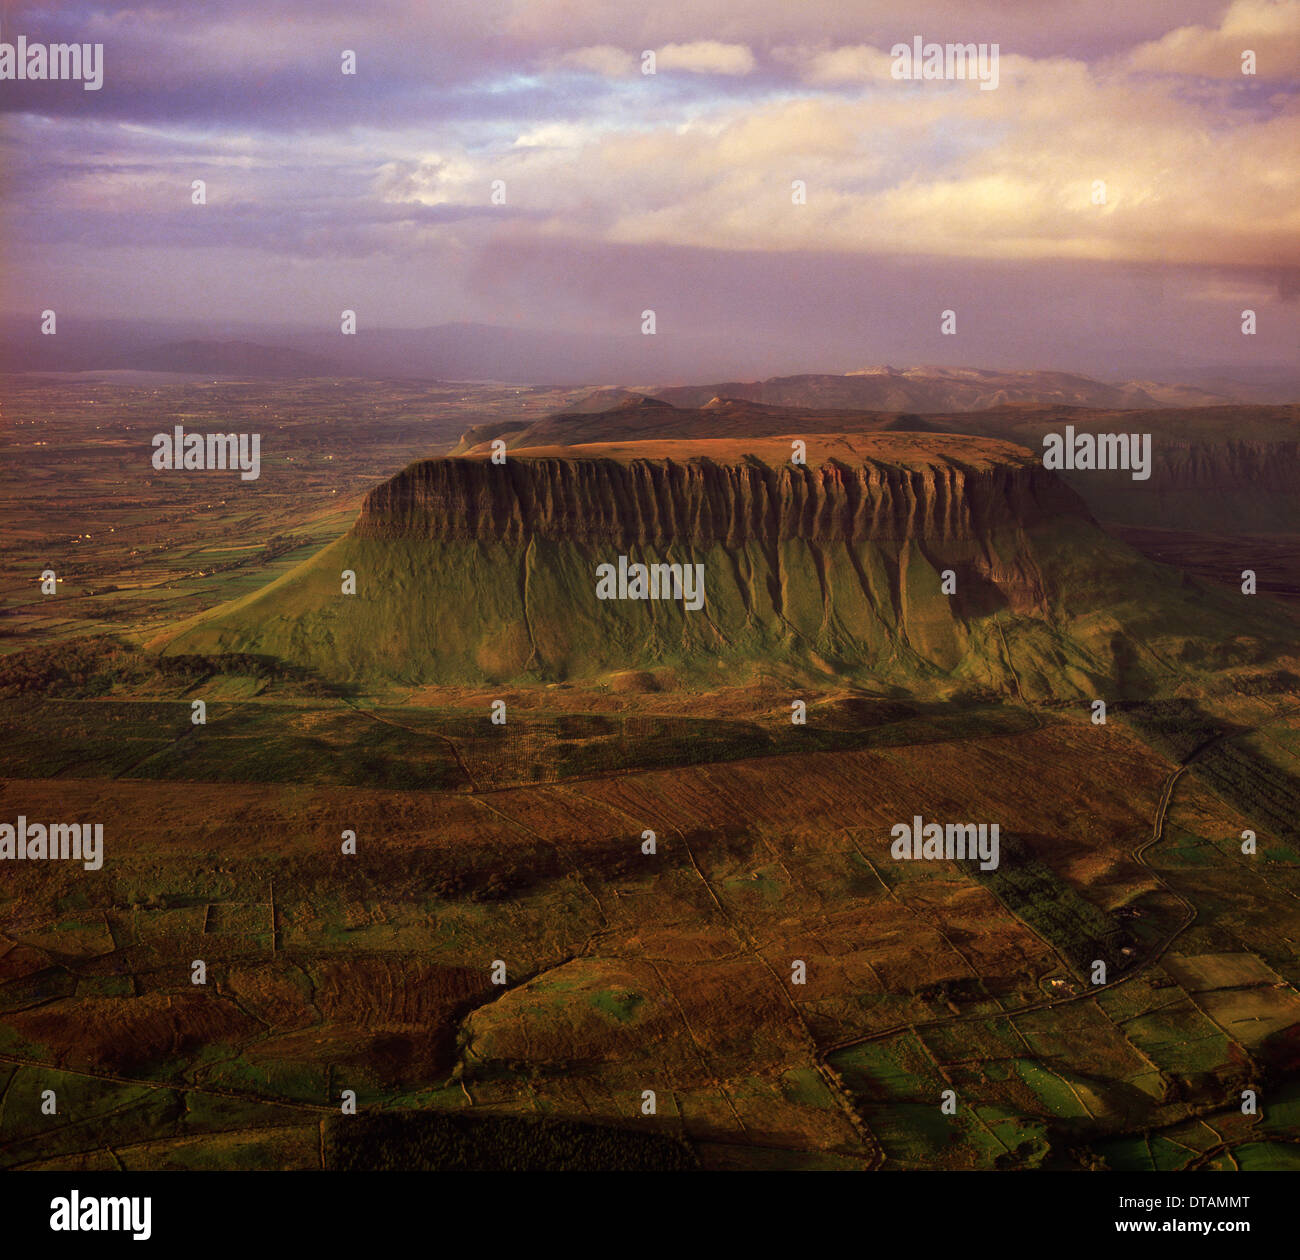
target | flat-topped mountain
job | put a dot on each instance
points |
(914, 562)
(1230, 469)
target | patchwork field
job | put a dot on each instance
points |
(628, 972)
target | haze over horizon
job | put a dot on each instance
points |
(625, 191)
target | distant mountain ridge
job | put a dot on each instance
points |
(603, 360)
(238, 358)
(939, 389)
(638, 416)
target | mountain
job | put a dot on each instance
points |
(640, 417)
(464, 352)
(473, 572)
(230, 358)
(939, 389)
(599, 359)
(607, 399)
(1230, 469)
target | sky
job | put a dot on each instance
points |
(622, 191)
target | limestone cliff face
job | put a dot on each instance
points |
(702, 503)
(1268, 466)
(1236, 487)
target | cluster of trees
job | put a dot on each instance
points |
(95, 665)
(76, 667)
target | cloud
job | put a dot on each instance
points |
(706, 56)
(854, 64)
(931, 168)
(602, 59)
(1043, 28)
(1268, 28)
